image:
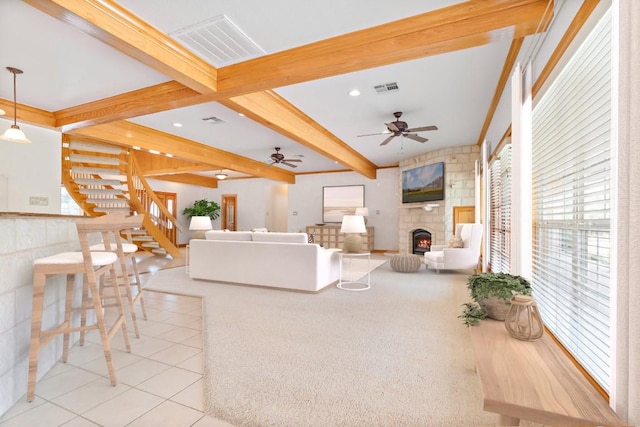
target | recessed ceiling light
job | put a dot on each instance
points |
(354, 92)
(169, 155)
(177, 125)
(241, 114)
(154, 151)
(135, 147)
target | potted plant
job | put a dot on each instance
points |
(492, 293)
(203, 208)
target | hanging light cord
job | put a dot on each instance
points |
(15, 71)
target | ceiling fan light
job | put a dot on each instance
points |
(15, 134)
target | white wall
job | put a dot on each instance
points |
(27, 170)
(259, 200)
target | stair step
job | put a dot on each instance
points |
(101, 191)
(96, 171)
(159, 251)
(142, 238)
(101, 160)
(108, 202)
(150, 245)
(96, 148)
(126, 210)
(90, 181)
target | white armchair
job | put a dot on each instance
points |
(467, 257)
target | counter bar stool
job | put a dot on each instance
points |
(119, 224)
(94, 267)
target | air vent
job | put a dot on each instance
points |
(386, 87)
(218, 41)
(213, 120)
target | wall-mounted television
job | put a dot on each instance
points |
(423, 184)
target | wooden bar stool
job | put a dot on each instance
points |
(94, 267)
(118, 224)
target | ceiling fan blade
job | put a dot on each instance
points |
(386, 141)
(372, 134)
(392, 127)
(415, 137)
(291, 165)
(291, 160)
(422, 129)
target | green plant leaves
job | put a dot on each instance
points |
(203, 207)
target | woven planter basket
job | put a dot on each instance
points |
(495, 308)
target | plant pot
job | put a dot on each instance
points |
(495, 308)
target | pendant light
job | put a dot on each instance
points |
(14, 133)
(221, 175)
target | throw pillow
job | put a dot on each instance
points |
(456, 242)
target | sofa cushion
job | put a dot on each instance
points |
(281, 237)
(241, 236)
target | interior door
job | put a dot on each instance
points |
(463, 214)
(229, 212)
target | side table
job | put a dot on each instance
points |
(354, 285)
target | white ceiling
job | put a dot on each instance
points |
(64, 67)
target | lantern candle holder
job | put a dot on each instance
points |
(523, 320)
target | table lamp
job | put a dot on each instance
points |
(363, 212)
(199, 224)
(352, 225)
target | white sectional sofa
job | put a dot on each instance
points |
(278, 260)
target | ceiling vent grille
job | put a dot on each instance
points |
(213, 120)
(218, 41)
(386, 87)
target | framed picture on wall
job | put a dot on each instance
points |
(341, 200)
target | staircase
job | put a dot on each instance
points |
(104, 178)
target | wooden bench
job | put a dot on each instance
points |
(534, 381)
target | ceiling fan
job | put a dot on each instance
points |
(278, 158)
(400, 128)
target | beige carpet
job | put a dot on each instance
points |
(395, 355)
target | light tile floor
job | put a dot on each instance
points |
(159, 382)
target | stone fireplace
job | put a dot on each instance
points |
(421, 239)
(460, 179)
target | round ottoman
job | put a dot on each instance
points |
(405, 263)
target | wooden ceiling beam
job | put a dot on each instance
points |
(28, 114)
(507, 67)
(133, 135)
(274, 112)
(190, 179)
(116, 26)
(153, 164)
(149, 100)
(402, 40)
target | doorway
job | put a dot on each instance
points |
(229, 212)
(463, 214)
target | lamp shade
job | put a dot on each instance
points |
(199, 223)
(353, 224)
(15, 134)
(362, 211)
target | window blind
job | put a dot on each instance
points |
(500, 199)
(571, 204)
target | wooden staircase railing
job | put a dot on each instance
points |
(160, 223)
(103, 178)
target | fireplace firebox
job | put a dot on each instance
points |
(421, 241)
